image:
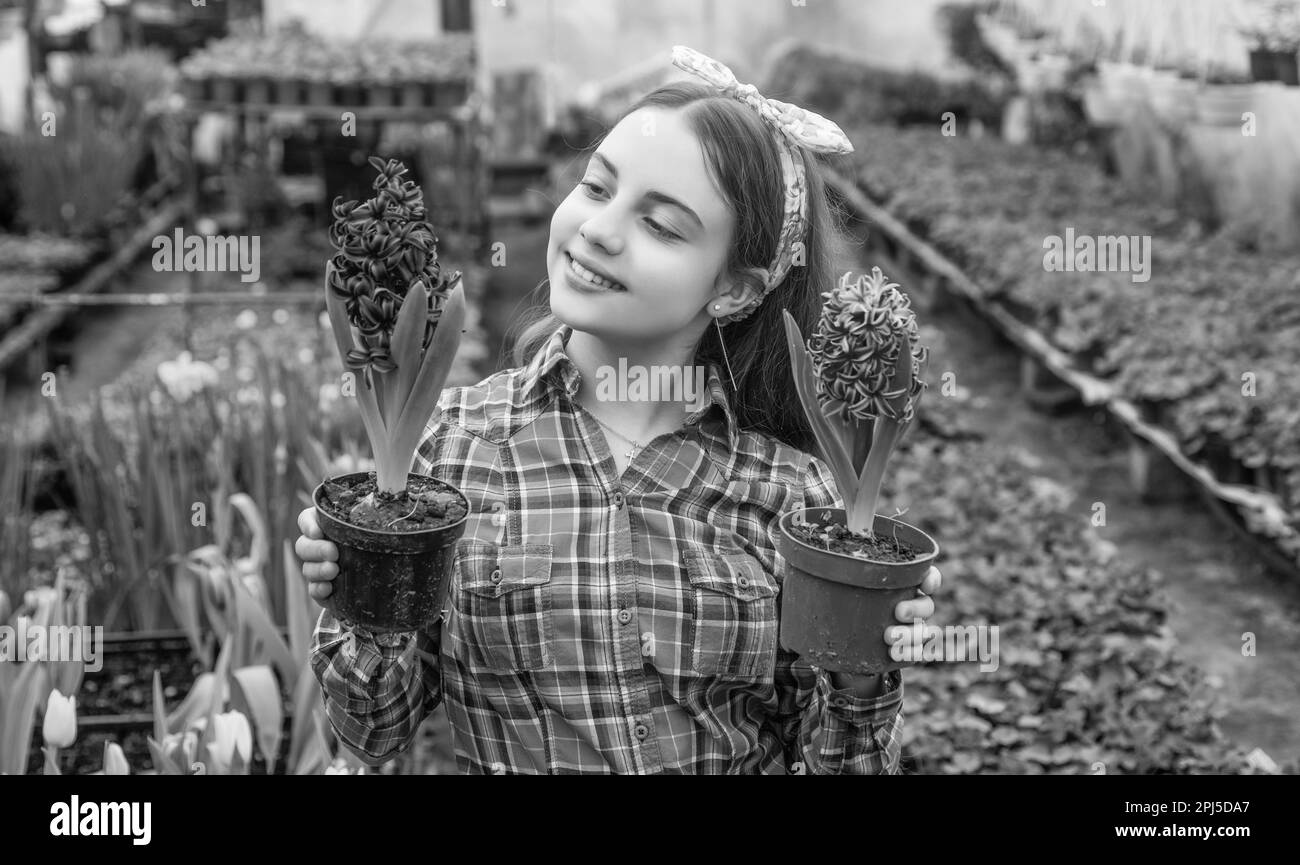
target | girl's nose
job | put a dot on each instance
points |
(600, 231)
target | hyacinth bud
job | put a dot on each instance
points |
(856, 349)
(385, 248)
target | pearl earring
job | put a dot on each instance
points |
(717, 306)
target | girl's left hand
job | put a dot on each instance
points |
(921, 607)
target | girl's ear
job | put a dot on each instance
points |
(737, 289)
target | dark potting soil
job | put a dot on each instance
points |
(426, 503)
(838, 539)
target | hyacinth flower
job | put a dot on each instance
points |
(397, 318)
(859, 379)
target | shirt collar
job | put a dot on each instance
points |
(552, 366)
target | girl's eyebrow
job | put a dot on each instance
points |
(653, 195)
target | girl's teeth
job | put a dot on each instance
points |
(589, 276)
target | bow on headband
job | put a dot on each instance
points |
(805, 128)
(796, 127)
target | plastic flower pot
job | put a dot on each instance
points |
(225, 90)
(1262, 65)
(1286, 65)
(288, 91)
(347, 94)
(197, 89)
(381, 95)
(320, 93)
(835, 607)
(257, 91)
(389, 581)
(412, 94)
(449, 94)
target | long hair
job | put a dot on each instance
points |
(743, 160)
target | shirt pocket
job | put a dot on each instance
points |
(735, 616)
(504, 605)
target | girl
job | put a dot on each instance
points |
(616, 594)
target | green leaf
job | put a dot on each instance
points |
(256, 619)
(832, 445)
(18, 717)
(162, 764)
(405, 349)
(434, 369)
(160, 730)
(258, 696)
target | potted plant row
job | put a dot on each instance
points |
(291, 65)
(1275, 42)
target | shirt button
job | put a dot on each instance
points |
(618, 500)
(840, 701)
(641, 731)
(624, 616)
(496, 576)
(743, 582)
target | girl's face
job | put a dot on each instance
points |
(646, 217)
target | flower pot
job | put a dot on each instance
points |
(1262, 67)
(320, 93)
(381, 95)
(389, 581)
(257, 91)
(196, 89)
(412, 94)
(225, 90)
(835, 607)
(1286, 66)
(288, 91)
(347, 94)
(449, 94)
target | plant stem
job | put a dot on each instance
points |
(862, 516)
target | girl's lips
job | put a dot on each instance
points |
(581, 282)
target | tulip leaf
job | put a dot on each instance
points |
(187, 606)
(260, 546)
(18, 717)
(197, 702)
(297, 605)
(306, 703)
(254, 617)
(159, 708)
(162, 764)
(257, 695)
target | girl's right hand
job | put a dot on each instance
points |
(318, 557)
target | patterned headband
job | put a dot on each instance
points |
(795, 127)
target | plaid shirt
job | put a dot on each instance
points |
(598, 623)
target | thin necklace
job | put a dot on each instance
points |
(636, 445)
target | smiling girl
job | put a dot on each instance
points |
(616, 595)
